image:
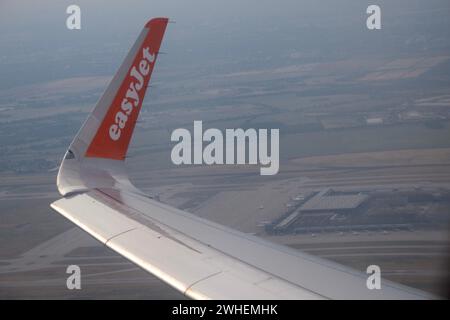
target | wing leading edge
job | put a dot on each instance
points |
(200, 258)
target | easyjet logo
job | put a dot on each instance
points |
(132, 97)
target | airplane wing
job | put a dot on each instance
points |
(202, 259)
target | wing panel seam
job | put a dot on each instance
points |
(119, 234)
(200, 280)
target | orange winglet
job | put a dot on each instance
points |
(114, 134)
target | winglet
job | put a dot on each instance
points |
(114, 133)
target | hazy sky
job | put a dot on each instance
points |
(35, 42)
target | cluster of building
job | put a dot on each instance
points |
(322, 205)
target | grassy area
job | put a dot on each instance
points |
(364, 139)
